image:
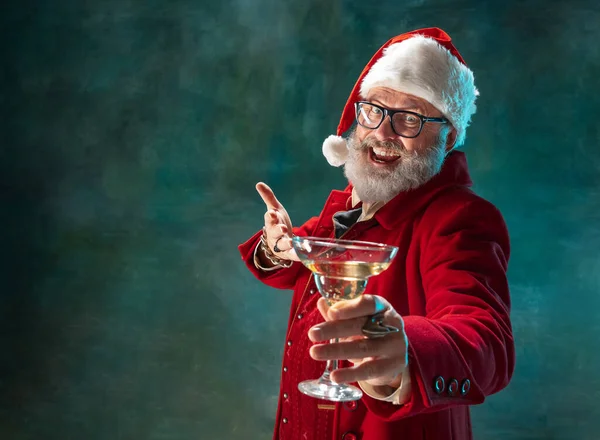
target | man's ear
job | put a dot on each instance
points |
(451, 140)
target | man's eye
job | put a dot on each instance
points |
(409, 119)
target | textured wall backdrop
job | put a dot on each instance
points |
(132, 133)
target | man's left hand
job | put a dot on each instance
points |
(377, 361)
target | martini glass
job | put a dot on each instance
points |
(341, 269)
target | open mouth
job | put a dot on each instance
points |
(383, 156)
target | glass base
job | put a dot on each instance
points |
(325, 389)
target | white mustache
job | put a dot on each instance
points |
(388, 145)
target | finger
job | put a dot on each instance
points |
(368, 370)
(271, 218)
(292, 255)
(288, 253)
(336, 329)
(358, 349)
(365, 305)
(268, 196)
(285, 248)
(356, 361)
(276, 225)
(349, 328)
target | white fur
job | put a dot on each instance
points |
(335, 150)
(421, 67)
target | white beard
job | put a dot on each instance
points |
(381, 185)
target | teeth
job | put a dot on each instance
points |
(385, 153)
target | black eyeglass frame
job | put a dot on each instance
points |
(391, 113)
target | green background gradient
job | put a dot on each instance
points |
(132, 133)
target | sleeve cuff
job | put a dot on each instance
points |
(257, 263)
(387, 394)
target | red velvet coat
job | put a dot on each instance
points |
(448, 282)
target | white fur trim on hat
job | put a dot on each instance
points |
(335, 150)
(420, 66)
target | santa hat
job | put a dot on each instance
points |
(422, 63)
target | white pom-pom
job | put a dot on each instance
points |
(335, 150)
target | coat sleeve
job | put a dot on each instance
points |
(282, 278)
(464, 343)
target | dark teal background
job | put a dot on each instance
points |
(132, 133)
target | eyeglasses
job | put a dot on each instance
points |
(404, 123)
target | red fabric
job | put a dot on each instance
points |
(449, 283)
(437, 34)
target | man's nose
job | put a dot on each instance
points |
(385, 132)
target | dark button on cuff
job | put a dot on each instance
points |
(439, 385)
(465, 387)
(452, 387)
(351, 406)
(349, 436)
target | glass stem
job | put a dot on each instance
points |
(330, 365)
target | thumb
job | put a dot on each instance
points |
(323, 307)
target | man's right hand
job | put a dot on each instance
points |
(278, 226)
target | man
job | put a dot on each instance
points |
(446, 290)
